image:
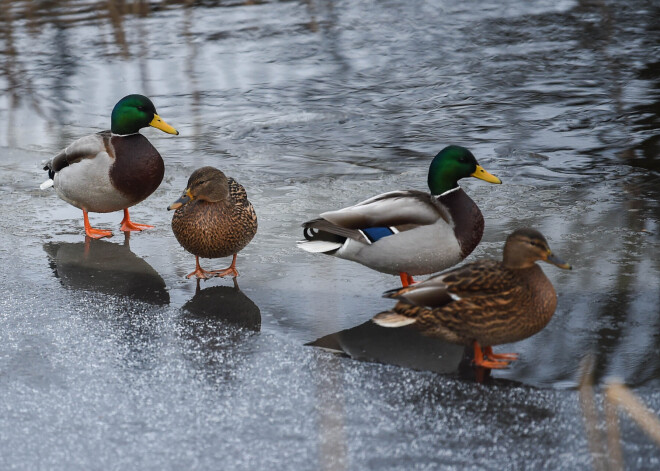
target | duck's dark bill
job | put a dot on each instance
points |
(552, 258)
(185, 198)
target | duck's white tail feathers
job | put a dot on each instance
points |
(319, 246)
(392, 319)
(47, 184)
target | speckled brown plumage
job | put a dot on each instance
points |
(488, 302)
(497, 305)
(218, 221)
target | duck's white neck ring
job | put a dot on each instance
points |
(458, 187)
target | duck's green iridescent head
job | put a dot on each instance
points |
(450, 165)
(134, 112)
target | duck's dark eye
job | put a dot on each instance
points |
(141, 108)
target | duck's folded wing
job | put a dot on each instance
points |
(430, 293)
(397, 208)
(322, 230)
(483, 280)
(237, 193)
(84, 148)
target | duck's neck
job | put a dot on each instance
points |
(439, 180)
(123, 133)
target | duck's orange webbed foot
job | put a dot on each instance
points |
(91, 232)
(488, 361)
(231, 270)
(406, 279)
(488, 352)
(128, 225)
(199, 272)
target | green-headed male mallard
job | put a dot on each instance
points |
(111, 170)
(408, 232)
(213, 219)
(483, 303)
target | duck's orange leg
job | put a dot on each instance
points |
(479, 359)
(91, 232)
(406, 279)
(128, 225)
(199, 272)
(231, 270)
(488, 352)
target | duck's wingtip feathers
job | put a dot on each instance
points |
(392, 293)
(47, 184)
(318, 246)
(392, 319)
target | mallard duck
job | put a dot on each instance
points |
(408, 232)
(483, 303)
(213, 219)
(111, 170)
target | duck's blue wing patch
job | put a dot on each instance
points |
(376, 233)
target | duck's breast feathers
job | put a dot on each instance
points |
(397, 208)
(212, 229)
(138, 168)
(87, 147)
(467, 218)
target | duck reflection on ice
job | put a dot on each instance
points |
(404, 346)
(226, 303)
(217, 324)
(108, 268)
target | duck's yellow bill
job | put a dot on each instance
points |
(158, 123)
(186, 197)
(482, 174)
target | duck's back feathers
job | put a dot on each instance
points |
(238, 195)
(390, 209)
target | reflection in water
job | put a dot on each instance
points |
(108, 268)
(218, 321)
(224, 303)
(404, 347)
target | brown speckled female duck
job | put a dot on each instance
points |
(483, 303)
(213, 219)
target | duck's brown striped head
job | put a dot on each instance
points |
(525, 246)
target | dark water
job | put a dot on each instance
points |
(111, 359)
